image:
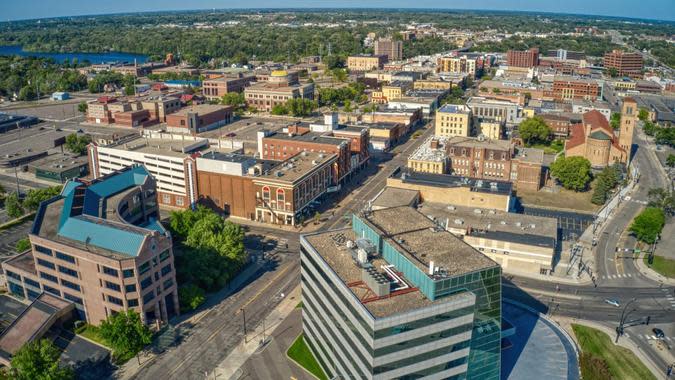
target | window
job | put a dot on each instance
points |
(266, 193)
(13, 275)
(70, 297)
(49, 277)
(164, 255)
(114, 300)
(71, 285)
(130, 288)
(65, 257)
(68, 271)
(179, 201)
(132, 302)
(166, 198)
(30, 282)
(145, 283)
(46, 264)
(51, 290)
(110, 271)
(168, 283)
(166, 270)
(43, 250)
(112, 286)
(144, 268)
(128, 273)
(148, 297)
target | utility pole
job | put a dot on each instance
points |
(16, 175)
(619, 329)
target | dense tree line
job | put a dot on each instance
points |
(25, 76)
(592, 46)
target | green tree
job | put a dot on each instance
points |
(605, 182)
(233, 99)
(36, 196)
(126, 333)
(279, 109)
(574, 173)
(13, 205)
(22, 245)
(670, 161)
(190, 297)
(27, 93)
(534, 130)
(334, 61)
(615, 120)
(77, 144)
(643, 114)
(38, 360)
(82, 107)
(648, 225)
(663, 199)
(612, 72)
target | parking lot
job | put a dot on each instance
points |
(10, 236)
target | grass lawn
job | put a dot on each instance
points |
(92, 333)
(565, 199)
(622, 363)
(663, 266)
(300, 353)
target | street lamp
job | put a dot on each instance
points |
(244, 314)
(622, 320)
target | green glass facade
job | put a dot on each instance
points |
(485, 356)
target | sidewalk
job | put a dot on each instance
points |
(132, 367)
(624, 342)
(650, 273)
(229, 367)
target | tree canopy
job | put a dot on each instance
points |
(77, 144)
(13, 205)
(574, 173)
(663, 199)
(648, 225)
(125, 333)
(295, 107)
(38, 360)
(534, 130)
(36, 196)
(605, 182)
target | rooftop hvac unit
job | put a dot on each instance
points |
(459, 221)
(452, 208)
(503, 222)
(362, 256)
(350, 244)
(477, 211)
(366, 245)
(518, 224)
(532, 225)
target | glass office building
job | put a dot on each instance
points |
(395, 297)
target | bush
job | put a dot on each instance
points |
(22, 245)
(190, 297)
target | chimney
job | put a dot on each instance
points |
(435, 144)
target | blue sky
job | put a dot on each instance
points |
(650, 9)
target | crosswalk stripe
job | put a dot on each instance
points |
(630, 275)
(627, 336)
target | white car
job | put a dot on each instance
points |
(613, 302)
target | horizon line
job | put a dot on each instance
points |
(393, 9)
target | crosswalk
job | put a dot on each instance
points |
(648, 337)
(613, 276)
(669, 297)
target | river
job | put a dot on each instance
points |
(109, 57)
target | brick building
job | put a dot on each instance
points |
(98, 245)
(595, 140)
(458, 65)
(215, 89)
(390, 48)
(199, 118)
(523, 58)
(365, 62)
(571, 88)
(277, 90)
(625, 63)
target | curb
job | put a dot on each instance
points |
(298, 364)
(651, 273)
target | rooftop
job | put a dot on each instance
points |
(315, 137)
(426, 153)
(59, 162)
(201, 109)
(531, 155)
(495, 224)
(394, 197)
(453, 108)
(298, 166)
(448, 181)
(78, 216)
(477, 142)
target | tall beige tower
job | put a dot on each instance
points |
(629, 114)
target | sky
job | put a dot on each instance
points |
(29, 9)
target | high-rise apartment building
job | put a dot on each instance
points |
(99, 245)
(392, 49)
(397, 297)
(523, 58)
(625, 63)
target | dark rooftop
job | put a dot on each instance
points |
(447, 180)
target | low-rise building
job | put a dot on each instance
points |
(453, 120)
(560, 122)
(519, 243)
(459, 65)
(365, 62)
(583, 106)
(490, 108)
(215, 89)
(277, 90)
(492, 129)
(99, 245)
(59, 167)
(199, 118)
(571, 88)
(452, 189)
